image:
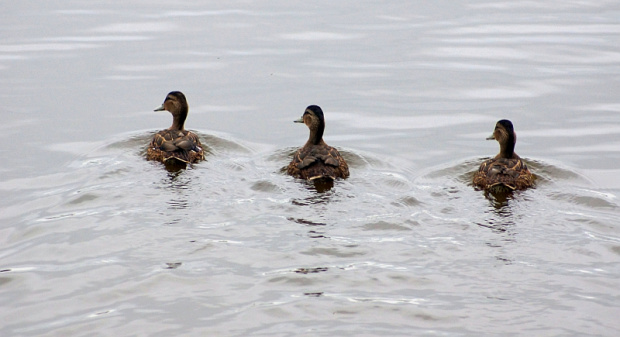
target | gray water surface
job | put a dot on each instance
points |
(94, 240)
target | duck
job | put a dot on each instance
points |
(506, 171)
(316, 160)
(175, 144)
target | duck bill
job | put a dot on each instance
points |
(160, 108)
(300, 120)
(490, 137)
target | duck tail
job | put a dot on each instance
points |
(182, 156)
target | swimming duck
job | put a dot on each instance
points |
(316, 160)
(506, 172)
(175, 143)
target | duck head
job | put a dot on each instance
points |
(505, 135)
(176, 104)
(314, 120)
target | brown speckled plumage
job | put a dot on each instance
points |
(506, 172)
(316, 159)
(175, 143)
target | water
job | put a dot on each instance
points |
(97, 241)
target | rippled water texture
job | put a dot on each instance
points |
(95, 240)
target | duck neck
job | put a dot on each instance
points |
(507, 147)
(316, 133)
(178, 120)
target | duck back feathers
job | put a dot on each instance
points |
(178, 145)
(503, 175)
(318, 161)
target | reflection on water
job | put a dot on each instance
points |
(311, 270)
(315, 232)
(174, 166)
(173, 265)
(306, 222)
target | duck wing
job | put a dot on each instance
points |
(181, 145)
(312, 162)
(511, 173)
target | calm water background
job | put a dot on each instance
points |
(97, 241)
